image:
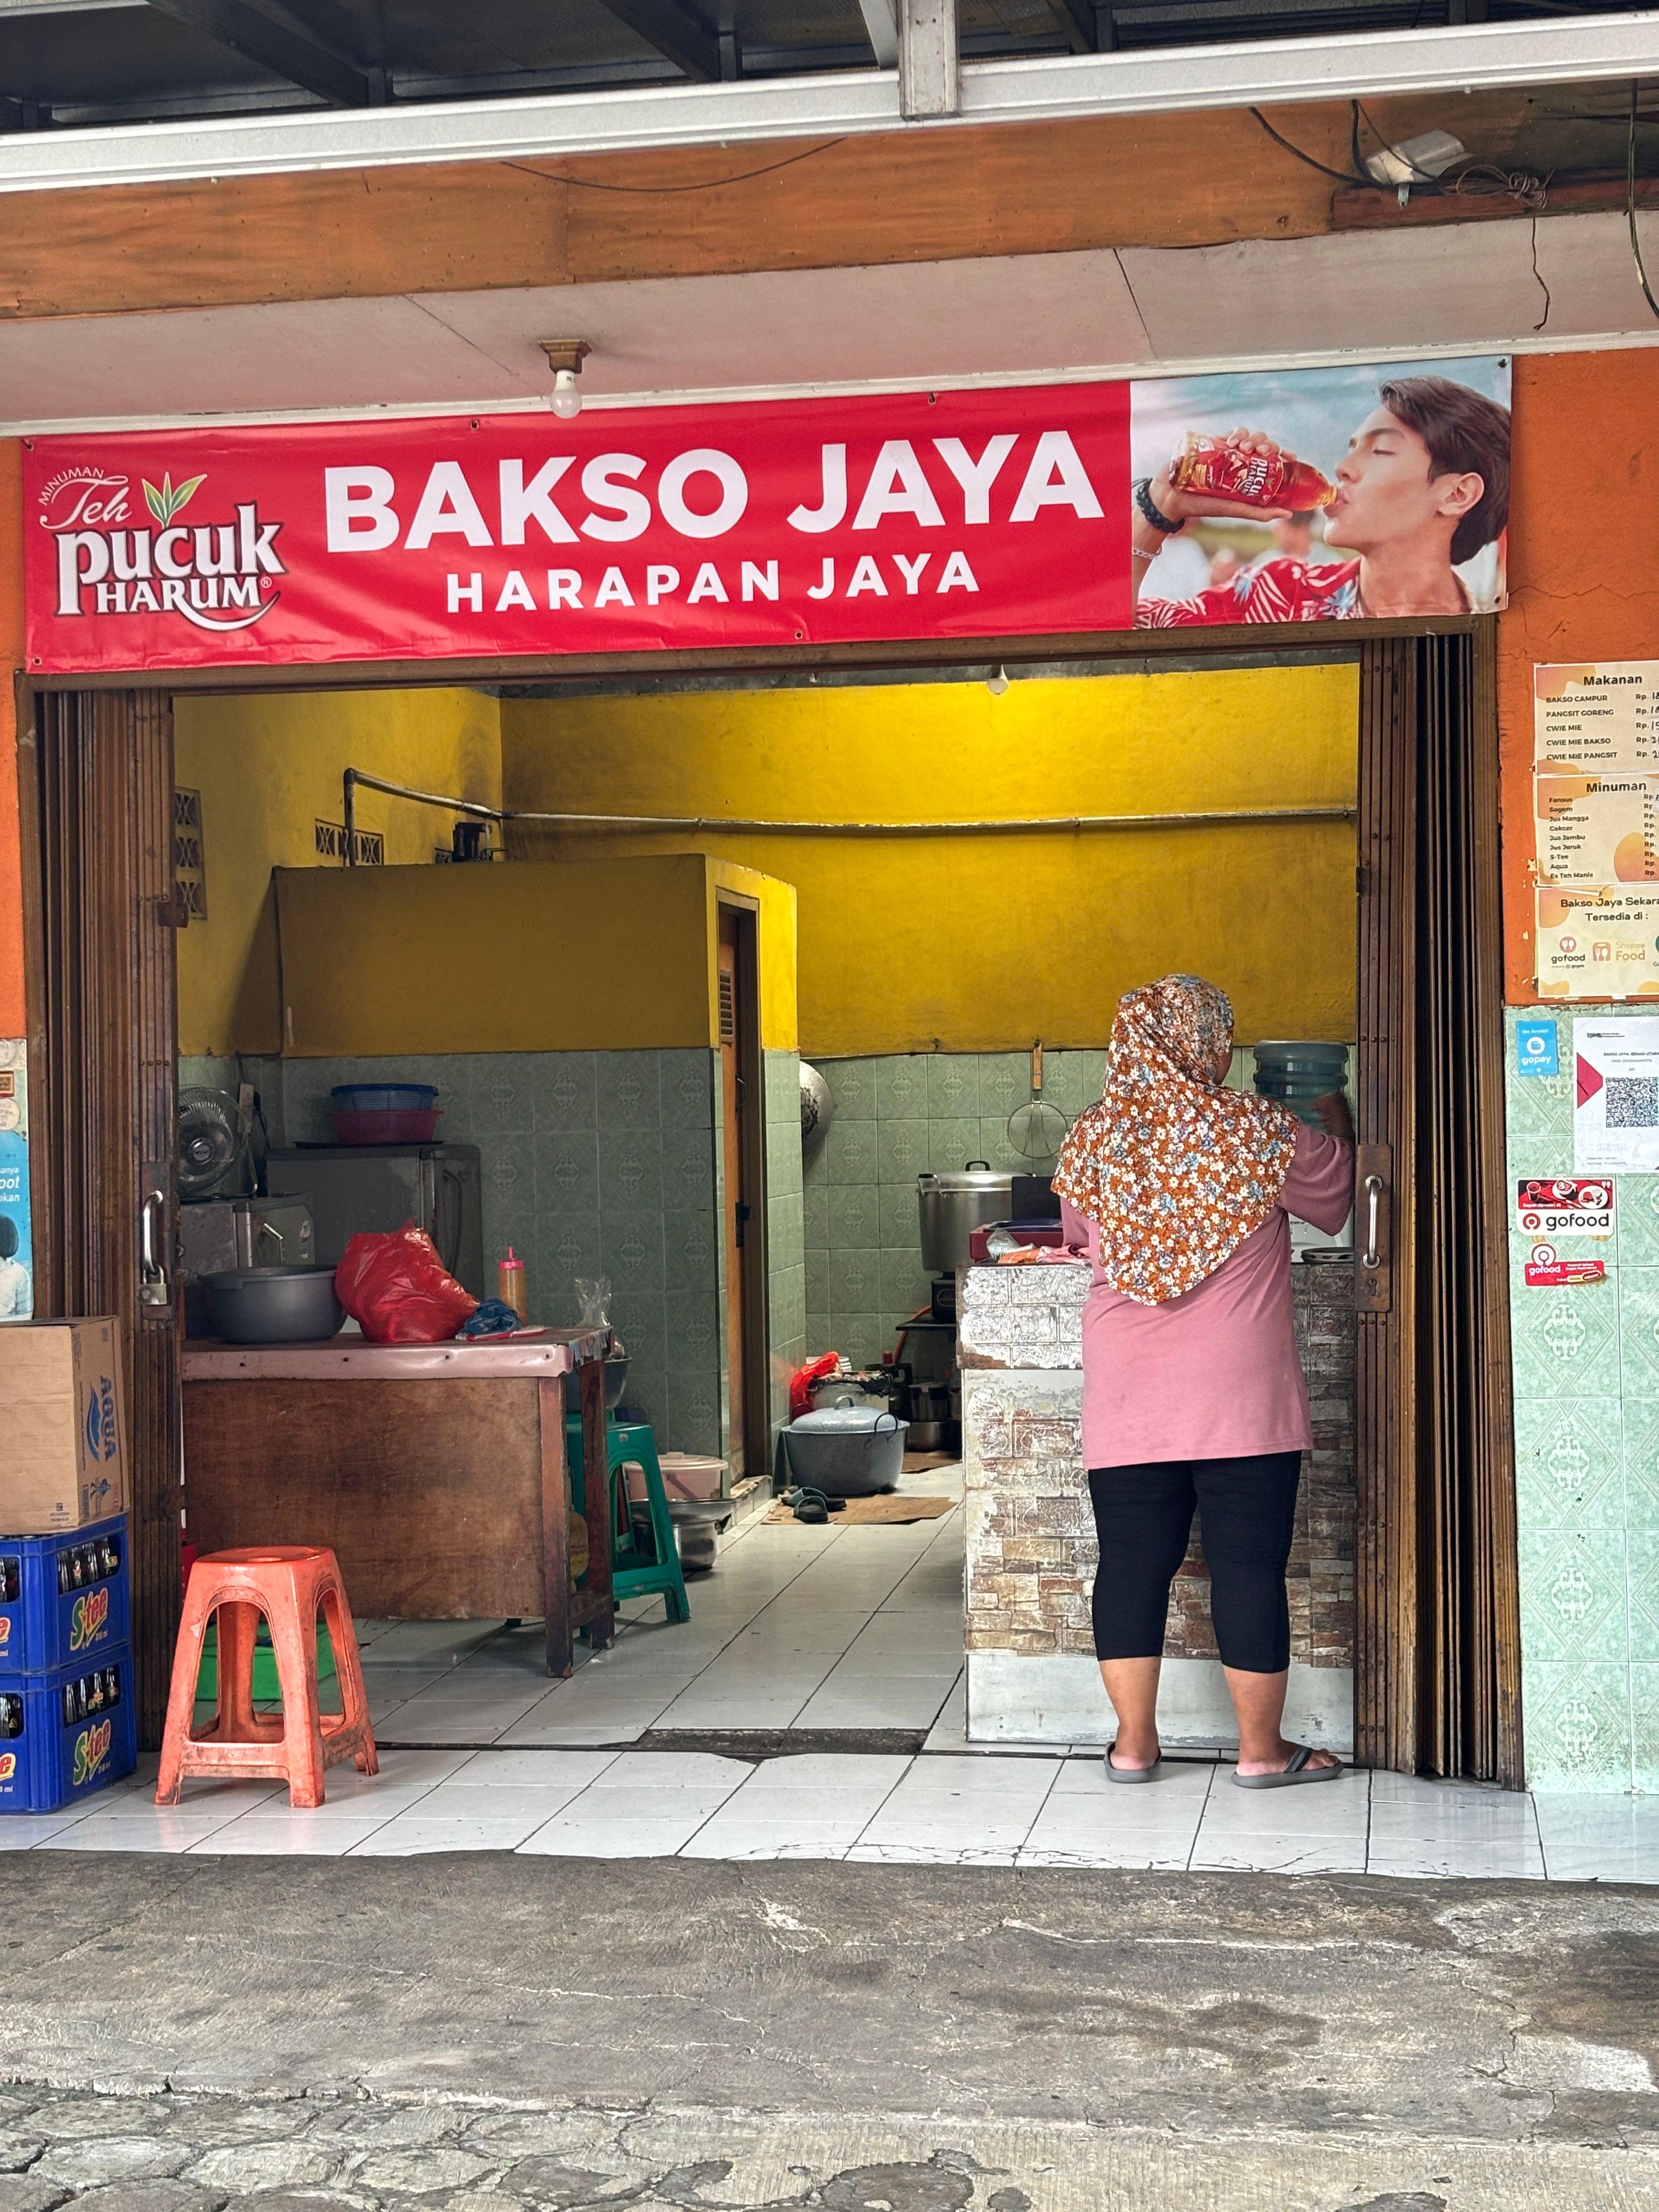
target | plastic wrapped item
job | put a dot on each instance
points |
(398, 1290)
(594, 1297)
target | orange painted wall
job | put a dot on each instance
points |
(1583, 567)
(11, 659)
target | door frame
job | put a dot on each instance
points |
(1393, 1638)
(752, 1420)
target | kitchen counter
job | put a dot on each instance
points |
(1032, 1676)
(436, 1473)
(555, 1352)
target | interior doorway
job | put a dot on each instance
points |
(1437, 1647)
(743, 1190)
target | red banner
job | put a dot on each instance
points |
(951, 514)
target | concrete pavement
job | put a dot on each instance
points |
(572, 2033)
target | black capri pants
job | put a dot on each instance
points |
(1144, 1514)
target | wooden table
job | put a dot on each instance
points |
(436, 1473)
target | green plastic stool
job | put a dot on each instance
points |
(662, 1573)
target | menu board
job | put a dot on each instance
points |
(1595, 805)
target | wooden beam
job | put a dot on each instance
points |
(259, 39)
(676, 31)
(1362, 210)
(1175, 180)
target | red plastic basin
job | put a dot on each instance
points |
(389, 1126)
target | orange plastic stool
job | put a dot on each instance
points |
(288, 1584)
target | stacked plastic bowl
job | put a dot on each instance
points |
(1298, 1072)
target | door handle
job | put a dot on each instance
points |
(1374, 1274)
(1373, 1259)
(152, 1286)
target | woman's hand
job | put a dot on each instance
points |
(1335, 1118)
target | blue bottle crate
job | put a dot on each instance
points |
(50, 1762)
(43, 1627)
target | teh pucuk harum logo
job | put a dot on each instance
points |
(218, 575)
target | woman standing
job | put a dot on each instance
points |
(1193, 1394)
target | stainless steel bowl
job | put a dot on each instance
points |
(274, 1305)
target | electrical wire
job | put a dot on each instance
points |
(704, 185)
(1630, 204)
(1342, 176)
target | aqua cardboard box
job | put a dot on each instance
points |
(62, 1426)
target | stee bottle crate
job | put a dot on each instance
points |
(66, 1733)
(64, 1600)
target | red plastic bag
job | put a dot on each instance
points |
(398, 1290)
(801, 1381)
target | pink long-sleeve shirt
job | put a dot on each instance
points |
(1214, 1374)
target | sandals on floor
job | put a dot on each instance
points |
(1115, 1773)
(1295, 1770)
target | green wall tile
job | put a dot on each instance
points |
(849, 1152)
(854, 1218)
(851, 1086)
(1579, 1732)
(952, 1144)
(902, 1087)
(1566, 1342)
(1574, 1604)
(1569, 1462)
(901, 1149)
(1644, 1725)
(952, 1086)
(1641, 1552)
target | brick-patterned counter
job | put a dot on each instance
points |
(1031, 1671)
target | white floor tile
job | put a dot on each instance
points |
(1180, 1783)
(1267, 1854)
(1158, 1852)
(612, 1836)
(157, 1831)
(1320, 1809)
(21, 1831)
(927, 1852)
(870, 1701)
(414, 1831)
(1442, 1860)
(952, 1806)
(260, 1836)
(529, 1769)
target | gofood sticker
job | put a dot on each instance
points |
(1564, 1205)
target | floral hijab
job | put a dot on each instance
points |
(1177, 1171)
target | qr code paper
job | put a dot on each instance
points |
(1633, 1101)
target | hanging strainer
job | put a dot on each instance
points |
(1037, 1130)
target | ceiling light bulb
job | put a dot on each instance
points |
(567, 394)
(997, 684)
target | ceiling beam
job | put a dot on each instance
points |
(1271, 72)
(676, 31)
(930, 69)
(286, 52)
(881, 24)
(1076, 19)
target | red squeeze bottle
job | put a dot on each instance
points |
(509, 1282)
(1265, 480)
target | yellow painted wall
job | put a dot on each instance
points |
(780, 1026)
(597, 954)
(268, 766)
(981, 943)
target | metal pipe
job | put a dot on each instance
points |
(731, 826)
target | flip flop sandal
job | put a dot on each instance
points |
(1115, 1773)
(1295, 1770)
(811, 1506)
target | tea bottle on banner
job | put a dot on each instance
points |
(1265, 480)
